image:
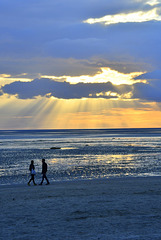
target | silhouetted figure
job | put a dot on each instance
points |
(44, 170)
(32, 171)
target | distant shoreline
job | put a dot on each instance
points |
(75, 129)
(79, 128)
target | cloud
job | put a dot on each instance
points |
(114, 44)
(35, 67)
(39, 12)
(139, 16)
(54, 29)
(151, 90)
(50, 38)
(150, 75)
(104, 75)
(148, 91)
(64, 90)
(153, 2)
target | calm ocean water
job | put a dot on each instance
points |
(83, 154)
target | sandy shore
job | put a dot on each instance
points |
(127, 208)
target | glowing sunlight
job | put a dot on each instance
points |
(6, 79)
(106, 75)
(139, 16)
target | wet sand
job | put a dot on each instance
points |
(122, 208)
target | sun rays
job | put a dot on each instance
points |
(53, 113)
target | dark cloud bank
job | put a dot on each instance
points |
(63, 90)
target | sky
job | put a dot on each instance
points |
(80, 64)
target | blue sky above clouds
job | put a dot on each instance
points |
(44, 44)
(36, 30)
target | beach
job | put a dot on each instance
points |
(115, 208)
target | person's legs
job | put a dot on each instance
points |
(46, 179)
(33, 179)
(29, 181)
(43, 176)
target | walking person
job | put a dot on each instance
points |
(32, 171)
(44, 170)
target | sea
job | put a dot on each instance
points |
(80, 154)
